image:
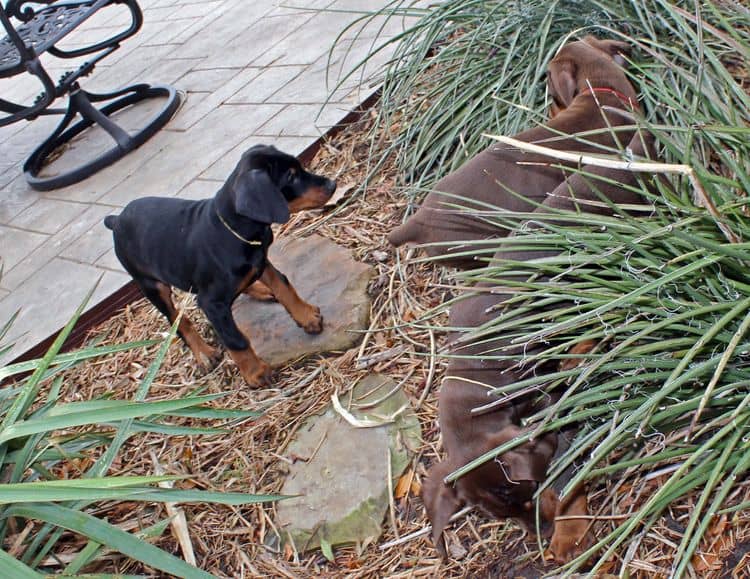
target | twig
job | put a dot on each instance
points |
(15, 549)
(430, 373)
(424, 531)
(700, 197)
(367, 361)
(391, 505)
(284, 394)
(391, 392)
(317, 448)
(370, 391)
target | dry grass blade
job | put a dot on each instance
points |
(701, 197)
(177, 516)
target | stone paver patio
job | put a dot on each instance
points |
(252, 72)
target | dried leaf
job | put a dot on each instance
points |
(703, 562)
(339, 194)
(404, 485)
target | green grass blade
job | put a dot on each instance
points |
(109, 535)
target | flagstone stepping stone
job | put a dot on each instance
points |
(340, 471)
(324, 274)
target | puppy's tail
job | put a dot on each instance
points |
(110, 222)
(402, 234)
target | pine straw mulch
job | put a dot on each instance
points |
(236, 542)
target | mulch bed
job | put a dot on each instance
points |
(240, 541)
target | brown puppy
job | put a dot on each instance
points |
(495, 176)
(505, 487)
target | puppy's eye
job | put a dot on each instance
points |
(292, 172)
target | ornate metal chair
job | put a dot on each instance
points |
(41, 25)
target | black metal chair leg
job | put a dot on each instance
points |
(81, 103)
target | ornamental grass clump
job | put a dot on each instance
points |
(661, 405)
(43, 440)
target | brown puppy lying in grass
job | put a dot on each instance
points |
(584, 75)
(506, 486)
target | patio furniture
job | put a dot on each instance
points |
(35, 28)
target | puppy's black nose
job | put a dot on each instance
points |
(331, 187)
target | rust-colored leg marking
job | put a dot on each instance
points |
(206, 356)
(255, 371)
(307, 316)
(260, 291)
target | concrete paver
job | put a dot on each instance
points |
(53, 245)
(268, 82)
(17, 244)
(193, 112)
(109, 261)
(208, 80)
(15, 196)
(184, 159)
(251, 72)
(303, 120)
(38, 300)
(47, 215)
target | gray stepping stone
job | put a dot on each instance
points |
(340, 471)
(325, 275)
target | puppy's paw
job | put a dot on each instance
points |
(313, 322)
(571, 536)
(568, 541)
(258, 376)
(208, 358)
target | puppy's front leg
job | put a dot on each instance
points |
(219, 312)
(570, 537)
(260, 292)
(307, 316)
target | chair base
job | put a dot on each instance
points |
(81, 103)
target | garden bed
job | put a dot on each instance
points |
(238, 541)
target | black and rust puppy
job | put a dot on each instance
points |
(217, 248)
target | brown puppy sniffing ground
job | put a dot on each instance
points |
(505, 487)
(584, 76)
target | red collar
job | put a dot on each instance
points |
(624, 99)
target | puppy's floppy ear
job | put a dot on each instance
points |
(642, 144)
(561, 76)
(617, 49)
(529, 461)
(441, 502)
(256, 196)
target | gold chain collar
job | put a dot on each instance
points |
(233, 232)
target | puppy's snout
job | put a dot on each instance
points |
(330, 186)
